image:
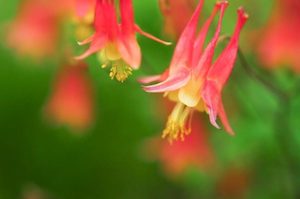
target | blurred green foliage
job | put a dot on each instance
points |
(107, 161)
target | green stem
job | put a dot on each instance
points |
(283, 135)
(282, 95)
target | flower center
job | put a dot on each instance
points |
(177, 123)
(120, 70)
(110, 56)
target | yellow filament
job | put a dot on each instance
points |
(110, 56)
(120, 70)
(176, 125)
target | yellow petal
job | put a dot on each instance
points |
(190, 94)
(111, 52)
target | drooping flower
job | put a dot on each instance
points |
(115, 42)
(34, 31)
(279, 41)
(176, 15)
(193, 80)
(71, 100)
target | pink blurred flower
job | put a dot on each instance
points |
(71, 100)
(279, 41)
(192, 80)
(116, 43)
(83, 7)
(176, 15)
(34, 31)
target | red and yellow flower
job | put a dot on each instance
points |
(116, 42)
(193, 80)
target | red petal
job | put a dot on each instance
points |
(223, 117)
(171, 83)
(105, 18)
(183, 50)
(149, 79)
(86, 41)
(95, 46)
(198, 46)
(127, 17)
(222, 68)
(154, 78)
(130, 50)
(139, 30)
(205, 61)
(211, 97)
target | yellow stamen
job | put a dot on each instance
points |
(105, 64)
(110, 56)
(176, 125)
(120, 70)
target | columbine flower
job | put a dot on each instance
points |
(174, 22)
(116, 43)
(279, 41)
(71, 101)
(192, 80)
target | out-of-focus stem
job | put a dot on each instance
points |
(283, 134)
(267, 84)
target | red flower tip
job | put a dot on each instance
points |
(223, 2)
(242, 13)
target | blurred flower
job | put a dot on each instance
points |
(176, 15)
(34, 31)
(233, 184)
(193, 152)
(84, 7)
(71, 100)
(192, 80)
(116, 42)
(279, 41)
(84, 17)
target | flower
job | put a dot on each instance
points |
(83, 7)
(176, 14)
(116, 43)
(192, 80)
(34, 31)
(279, 41)
(84, 17)
(71, 100)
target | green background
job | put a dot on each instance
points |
(107, 161)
